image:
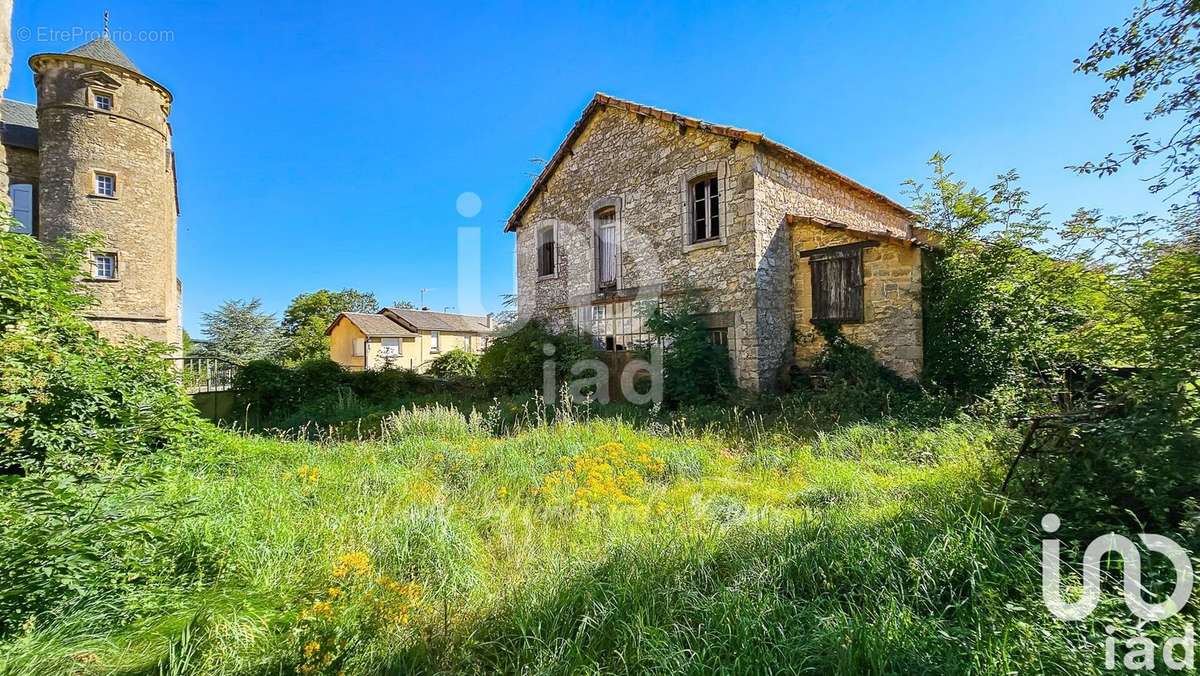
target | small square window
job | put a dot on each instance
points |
(103, 101)
(106, 185)
(104, 266)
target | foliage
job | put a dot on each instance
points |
(321, 391)
(998, 312)
(513, 362)
(695, 369)
(402, 304)
(1154, 53)
(309, 314)
(83, 424)
(455, 363)
(852, 384)
(240, 331)
(446, 550)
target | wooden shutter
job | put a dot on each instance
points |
(837, 286)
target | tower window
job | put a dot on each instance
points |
(104, 266)
(102, 101)
(106, 185)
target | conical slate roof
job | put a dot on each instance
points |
(103, 49)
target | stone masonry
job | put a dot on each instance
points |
(129, 138)
(640, 160)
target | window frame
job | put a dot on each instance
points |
(705, 171)
(616, 205)
(820, 262)
(358, 347)
(97, 94)
(97, 192)
(711, 188)
(539, 242)
(115, 266)
(435, 342)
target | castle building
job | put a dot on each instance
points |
(94, 155)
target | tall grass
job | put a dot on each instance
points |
(872, 548)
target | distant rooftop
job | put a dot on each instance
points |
(428, 320)
(18, 124)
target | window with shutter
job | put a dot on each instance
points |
(22, 206)
(606, 247)
(837, 285)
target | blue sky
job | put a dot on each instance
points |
(325, 144)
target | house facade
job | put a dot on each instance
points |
(94, 155)
(640, 205)
(403, 337)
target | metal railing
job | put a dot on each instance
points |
(206, 374)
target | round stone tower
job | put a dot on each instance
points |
(106, 166)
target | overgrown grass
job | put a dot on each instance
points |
(591, 547)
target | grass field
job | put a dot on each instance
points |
(586, 547)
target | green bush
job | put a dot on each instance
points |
(84, 424)
(513, 362)
(695, 370)
(321, 391)
(455, 363)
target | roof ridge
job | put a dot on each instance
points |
(600, 99)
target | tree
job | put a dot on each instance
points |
(240, 331)
(1155, 53)
(403, 305)
(309, 314)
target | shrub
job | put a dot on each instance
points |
(455, 363)
(84, 424)
(695, 370)
(513, 362)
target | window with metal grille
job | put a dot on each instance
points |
(617, 326)
(706, 209)
(837, 285)
(607, 254)
(547, 249)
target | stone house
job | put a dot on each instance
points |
(403, 337)
(94, 155)
(639, 204)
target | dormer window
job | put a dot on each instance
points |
(102, 101)
(106, 185)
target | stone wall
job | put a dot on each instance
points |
(784, 186)
(891, 326)
(641, 166)
(132, 142)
